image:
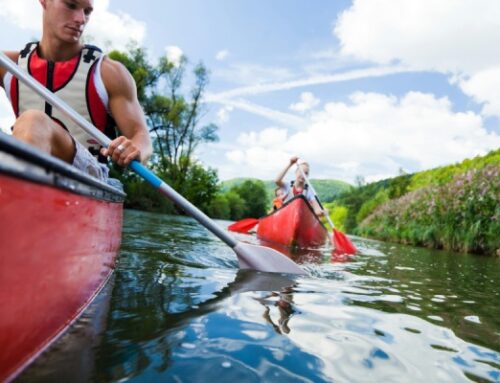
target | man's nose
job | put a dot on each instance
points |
(79, 16)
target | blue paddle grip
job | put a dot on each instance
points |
(145, 173)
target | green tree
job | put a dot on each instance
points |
(237, 206)
(219, 207)
(174, 122)
(254, 194)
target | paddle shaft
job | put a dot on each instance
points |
(104, 140)
(316, 197)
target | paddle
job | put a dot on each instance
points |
(249, 256)
(342, 244)
(244, 225)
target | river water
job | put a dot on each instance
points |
(181, 311)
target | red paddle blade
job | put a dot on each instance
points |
(343, 245)
(244, 225)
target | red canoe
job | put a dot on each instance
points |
(294, 225)
(59, 240)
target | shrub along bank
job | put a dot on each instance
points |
(456, 207)
(461, 215)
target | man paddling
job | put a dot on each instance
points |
(99, 88)
(298, 186)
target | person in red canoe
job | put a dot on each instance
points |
(98, 88)
(279, 196)
(298, 186)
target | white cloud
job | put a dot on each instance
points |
(274, 115)
(484, 87)
(445, 35)
(116, 29)
(245, 74)
(449, 36)
(174, 54)
(113, 29)
(7, 117)
(253, 90)
(222, 55)
(267, 138)
(307, 102)
(15, 12)
(372, 135)
(223, 114)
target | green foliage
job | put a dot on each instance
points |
(370, 200)
(219, 207)
(338, 215)
(237, 206)
(370, 205)
(173, 118)
(198, 185)
(255, 196)
(461, 215)
(243, 200)
(442, 175)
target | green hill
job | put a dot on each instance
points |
(327, 189)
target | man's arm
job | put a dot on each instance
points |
(128, 114)
(279, 178)
(317, 209)
(13, 56)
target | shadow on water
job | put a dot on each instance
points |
(181, 311)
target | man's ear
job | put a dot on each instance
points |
(43, 3)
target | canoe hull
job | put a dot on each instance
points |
(294, 225)
(58, 249)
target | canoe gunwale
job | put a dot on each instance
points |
(22, 161)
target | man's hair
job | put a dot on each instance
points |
(305, 163)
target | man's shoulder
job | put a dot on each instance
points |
(114, 74)
(113, 70)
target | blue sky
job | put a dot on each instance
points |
(353, 87)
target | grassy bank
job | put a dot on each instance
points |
(456, 207)
(462, 215)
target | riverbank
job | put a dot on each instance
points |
(462, 215)
(456, 207)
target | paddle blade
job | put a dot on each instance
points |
(244, 225)
(343, 245)
(263, 258)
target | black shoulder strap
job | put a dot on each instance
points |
(28, 49)
(89, 53)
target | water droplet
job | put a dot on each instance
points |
(472, 318)
(226, 364)
(435, 317)
(189, 346)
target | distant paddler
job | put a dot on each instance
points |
(298, 186)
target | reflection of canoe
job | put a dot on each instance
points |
(294, 225)
(59, 239)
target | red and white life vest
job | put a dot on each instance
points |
(291, 192)
(77, 81)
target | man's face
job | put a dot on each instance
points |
(66, 19)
